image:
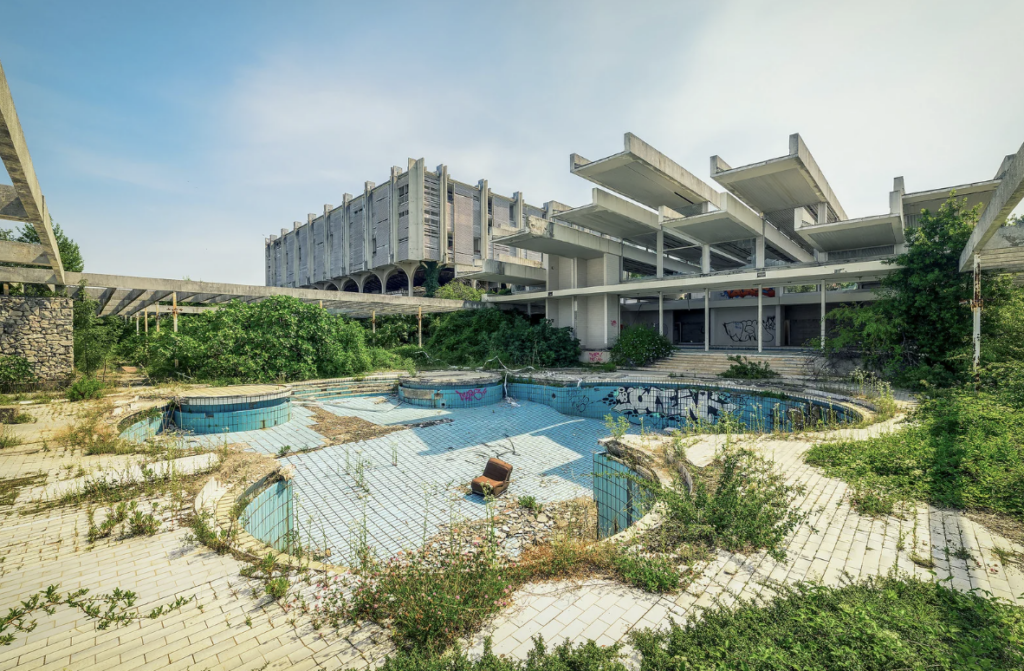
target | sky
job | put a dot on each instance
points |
(170, 138)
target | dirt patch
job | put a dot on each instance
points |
(338, 430)
(1007, 526)
(10, 488)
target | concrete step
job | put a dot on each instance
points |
(713, 363)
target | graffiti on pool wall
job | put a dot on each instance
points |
(746, 330)
(671, 404)
(578, 401)
(471, 394)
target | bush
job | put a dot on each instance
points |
(458, 291)
(15, 370)
(744, 369)
(966, 450)
(85, 388)
(474, 337)
(879, 623)
(639, 345)
(277, 588)
(741, 504)
(651, 574)
(564, 657)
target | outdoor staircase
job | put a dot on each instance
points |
(319, 390)
(686, 363)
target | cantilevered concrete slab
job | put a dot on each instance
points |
(613, 216)
(878, 231)
(1004, 252)
(978, 193)
(1008, 195)
(647, 176)
(559, 239)
(507, 273)
(778, 184)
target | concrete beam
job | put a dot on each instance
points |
(15, 156)
(10, 204)
(24, 253)
(1007, 196)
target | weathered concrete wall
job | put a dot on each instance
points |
(40, 330)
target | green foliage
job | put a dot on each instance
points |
(458, 291)
(639, 345)
(85, 388)
(431, 273)
(473, 337)
(529, 502)
(879, 623)
(15, 370)
(651, 574)
(391, 331)
(965, 450)
(564, 657)
(279, 339)
(743, 368)
(617, 426)
(93, 340)
(277, 588)
(919, 329)
(430, 600)
(8, 438)
(747, 507)
(70, 254)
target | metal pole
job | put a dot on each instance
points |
(707, 320)
(156, 311)
(145, 317)
(136, 323)
(661, 314)
(822, 316)
(373, 320)
(420, 320)
(976, 310)
(174, 309)
(759, 322)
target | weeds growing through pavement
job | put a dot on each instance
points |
(8, 439)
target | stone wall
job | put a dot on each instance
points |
(40, 330)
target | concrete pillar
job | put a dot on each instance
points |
(393, 216)
(759, 250)
(367, 226)
(707, 320)
(136, 323)
(823, 316)
(661, 313)
(760, 320)
(661, 253)
(485, 221)
(327, 241)
(409, 268)
(174, 309)
(705, 259)
(442, 172)
(345, 247)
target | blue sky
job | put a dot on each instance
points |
(171, 137)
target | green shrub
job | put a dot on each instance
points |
(747, 507)
(15, 370)
(651, 574)
(639, 345)
(476, 337)
(277, 588)
(564, 657)
(458, 291)
(529, 502)
(85, 388)
(744, 369)
(879, 623)
(965, 450)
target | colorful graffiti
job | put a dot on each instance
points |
(745, 330)
(471, 394)
(670, 403)
(595, 357)
(749, 293)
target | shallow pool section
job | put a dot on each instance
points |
(457, 389)
(228, 409)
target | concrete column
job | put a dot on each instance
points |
(661, 313)
(760, 320)
(442, 172)
(174, 309)
(823, 316)
(327, 241)
(707, 320)
(417, 208)
(759, 250)
(485, 231)
(661, 254)
(393, 216)
(345, 218)
(136, 323)
(409, 268)
(705, 259)
(367, 226)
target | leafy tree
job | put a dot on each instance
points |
(93, 339)
(458, 291)
(473, 337)
(919, 329)
(431, 272)
(70, 254)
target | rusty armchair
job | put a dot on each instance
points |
(495, 479)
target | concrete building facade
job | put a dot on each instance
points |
(375, 242)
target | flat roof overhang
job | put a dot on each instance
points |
(977, 193)
(1004, 252)
(612, 215)
(644, 174)
(508, 273)
(770, 277)
(877, 231)
(734, 221)
(787, 182)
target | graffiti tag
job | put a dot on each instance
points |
(749, 293)
(595, 357)
(672, 404)
(746, 330)
(471, 394)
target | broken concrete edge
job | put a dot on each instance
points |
(244, 543)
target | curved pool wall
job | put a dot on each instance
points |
(620, 497)
(444, 396)
(660, 405)
(270, 515)
(210, 416)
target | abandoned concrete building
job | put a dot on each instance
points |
(756, 265)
